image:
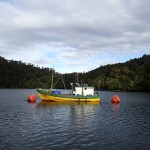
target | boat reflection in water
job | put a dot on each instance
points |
(69, 110)
(49, 104)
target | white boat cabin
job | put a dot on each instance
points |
(83, 90)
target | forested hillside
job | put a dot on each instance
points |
(133, 75)
(16, 74)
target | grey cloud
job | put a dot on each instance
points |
(86, 27)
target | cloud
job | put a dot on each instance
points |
(76, 35)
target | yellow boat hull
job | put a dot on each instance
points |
(48, 96)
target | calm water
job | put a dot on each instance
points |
(74, 126)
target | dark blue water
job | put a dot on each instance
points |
(74, 126)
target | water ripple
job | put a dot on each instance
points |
(74, 126)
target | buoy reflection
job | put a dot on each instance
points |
(115, 107)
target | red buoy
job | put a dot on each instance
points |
(115, 99)
(32, 98)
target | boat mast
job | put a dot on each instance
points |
(52, 80)
(52, 77)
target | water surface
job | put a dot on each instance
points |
(74, 126)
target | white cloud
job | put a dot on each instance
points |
(76, 35)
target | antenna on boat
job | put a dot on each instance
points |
(76, 79)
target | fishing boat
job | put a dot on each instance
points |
(82, 94)
(79, 93)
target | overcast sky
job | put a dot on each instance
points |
(75, 35)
